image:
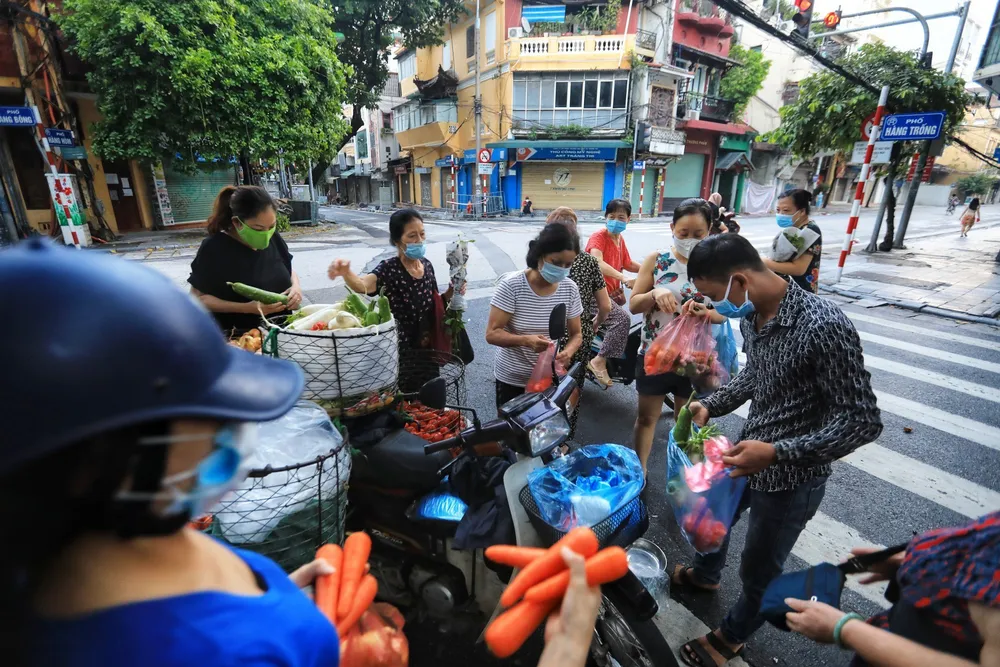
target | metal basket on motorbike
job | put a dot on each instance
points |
(350, 372)
(623, 527)
(287, 512)
(416, 367)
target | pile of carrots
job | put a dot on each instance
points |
(347, 593)
(539, 587)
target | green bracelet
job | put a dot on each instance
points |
(840, 626)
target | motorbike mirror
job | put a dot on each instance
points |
(434, 394)
(557, 322)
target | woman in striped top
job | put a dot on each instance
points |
(521, 306)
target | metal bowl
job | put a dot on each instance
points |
(648, 562)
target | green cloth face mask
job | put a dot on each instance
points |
(254, 238)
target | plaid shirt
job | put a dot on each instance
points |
(811, 395)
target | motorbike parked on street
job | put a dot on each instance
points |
(413, 558)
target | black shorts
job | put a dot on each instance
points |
(660, 385)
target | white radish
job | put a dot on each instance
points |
(343, 320)
(306, 323)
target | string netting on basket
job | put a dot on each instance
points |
(416, 367)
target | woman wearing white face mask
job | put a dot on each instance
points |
(521, 306)
(660, 290)
(99, 491)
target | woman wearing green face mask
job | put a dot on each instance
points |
(243, 247)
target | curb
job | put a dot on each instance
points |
(915, 306)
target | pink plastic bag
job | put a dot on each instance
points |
(686, 347)
(541, 374)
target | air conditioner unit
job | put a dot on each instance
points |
(515, 33)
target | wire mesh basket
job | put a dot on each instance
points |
(350, 372)
(416, 367)
(287, 513)
(627, 524)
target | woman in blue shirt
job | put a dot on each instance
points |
(120, 429)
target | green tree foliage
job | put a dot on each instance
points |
(829, 111)
(213, 78)
(741, 83)
(977, 184)
(369, 27)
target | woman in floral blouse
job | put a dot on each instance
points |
(660, 290)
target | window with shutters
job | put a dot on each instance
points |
(490, 37)
(407, 65)
(590, 99)
(661, 106)
(470, 42)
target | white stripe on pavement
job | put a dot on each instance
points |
(931, 352)
(931, 377)
(826, 540)
(962, 427)
(956, 493)
(930, 333)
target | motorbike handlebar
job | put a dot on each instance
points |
(497, 429)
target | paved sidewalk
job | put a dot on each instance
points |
(944, 275)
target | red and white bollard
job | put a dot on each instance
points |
(859, 192)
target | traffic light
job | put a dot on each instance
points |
(643, 136)
(802, 18)
(832, 20)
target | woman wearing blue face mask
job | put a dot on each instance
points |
(408, 280)
(793, 211)
(520, 309)
(151, 432)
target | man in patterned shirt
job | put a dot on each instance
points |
(811, 404)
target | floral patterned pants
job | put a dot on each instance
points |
(615, 332)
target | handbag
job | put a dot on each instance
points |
(821, 583)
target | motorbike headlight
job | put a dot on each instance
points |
(551, 432)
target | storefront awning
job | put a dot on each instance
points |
(346, 173)
(706, 58)
(729, 161)
(711, 126)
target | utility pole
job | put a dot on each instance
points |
(925, 146)
(477, 105)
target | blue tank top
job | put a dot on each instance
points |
(281, 627)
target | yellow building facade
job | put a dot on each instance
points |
(981, 130)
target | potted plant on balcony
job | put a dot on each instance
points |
(608, 18)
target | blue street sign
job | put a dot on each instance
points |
(59, 138)
(638, 164)
(912, 126)
(496, 154)
(445, 162)
(17, 116)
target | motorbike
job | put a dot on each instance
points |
(952, 204)
(397, 497)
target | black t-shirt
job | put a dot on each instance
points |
(222, 259)
(810, 279)
(410, 299)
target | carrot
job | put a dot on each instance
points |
(360, 601)
(511, 629)
(605, 566)
(507, 554)
(357, 548)
(328, 585)
(581, 540)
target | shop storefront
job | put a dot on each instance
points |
(691, 175)
(581, 175)
(731, 169)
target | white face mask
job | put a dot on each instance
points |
(685, 246)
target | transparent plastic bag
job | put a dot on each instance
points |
(587, 486)
(541, 374)
(703, 495)
(686, 347)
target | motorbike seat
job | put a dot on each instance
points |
(398, 461)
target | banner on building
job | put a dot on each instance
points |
(162, 195)
(758, 198)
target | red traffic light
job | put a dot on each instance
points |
(831, 20)
(804, 5)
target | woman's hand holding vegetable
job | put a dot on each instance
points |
(266, 308)
(665, 300)
(294, 294)
(568, 632)
(306, 575)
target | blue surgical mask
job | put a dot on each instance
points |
(784, 220)
(415, 250)
(214, 476)
(727, 308)
(553, 274)
(616, 226)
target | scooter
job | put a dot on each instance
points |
(400, 502)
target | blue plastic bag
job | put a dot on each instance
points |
(725, 347)
(586, 486)
(703, 495)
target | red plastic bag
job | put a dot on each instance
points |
(541, 374)
(377, 640)
(686, 347)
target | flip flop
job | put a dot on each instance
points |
(683, 578)
(701, 656)
(602, 376)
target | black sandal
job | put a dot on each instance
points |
(682, 581)
(701, 656)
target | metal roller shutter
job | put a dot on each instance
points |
(579, 185)
(192, 195)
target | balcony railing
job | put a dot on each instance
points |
(706, 106)
(644, 39)
(530, 47)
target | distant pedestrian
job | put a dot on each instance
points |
(970, 216)
(793, 211)
(526, 206)
(715, 203)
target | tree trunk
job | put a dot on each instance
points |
(246, 169)
(890, 208)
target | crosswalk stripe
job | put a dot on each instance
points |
(931, 352)
(930, 333)
(826, 540)
(962, 427)
(956, 493)
(932, 377)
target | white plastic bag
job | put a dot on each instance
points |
(248, 514)
(457, 255)
(790, 243)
